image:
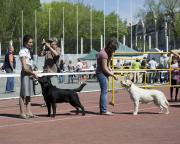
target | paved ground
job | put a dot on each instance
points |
(148, 127)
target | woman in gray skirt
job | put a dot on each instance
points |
(27, 76)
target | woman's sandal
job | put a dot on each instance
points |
(32, 116)
(23, 116)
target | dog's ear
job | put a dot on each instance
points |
(121, 82)
(39, 79)
(49, 79)
(46, 84)
(129, 82)
(44, 81)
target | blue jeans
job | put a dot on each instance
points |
(61, 79)
(10, 81)
(70, 78)
(103, 82)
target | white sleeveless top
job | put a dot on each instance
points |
(24, 52)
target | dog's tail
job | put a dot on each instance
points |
(80, 87)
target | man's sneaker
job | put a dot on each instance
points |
(106, 113)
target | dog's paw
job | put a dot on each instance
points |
(166, 113)
(135, 113)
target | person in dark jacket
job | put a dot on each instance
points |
(9, 66)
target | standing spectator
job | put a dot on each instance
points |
(79, 67)
(91, 68)
(9, 66)
(62, 68)
(152, 64)
(144, 63)
(136, 65)
(51, 51)
(175, 56)
(161, 61)
(103, 71)
(144, 66)
(174, 78)
(163, 64)
(70, 70)
(118, 64)
(27, 76)
(84, 68)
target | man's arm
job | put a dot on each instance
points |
(11, 62)
(41, 53)
(52, 50)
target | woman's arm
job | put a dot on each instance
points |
(106, 69)
(26, 69)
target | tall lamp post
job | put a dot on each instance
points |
(165, 32)
(156, 33)
(144, 35)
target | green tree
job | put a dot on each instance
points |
(11, 22)
(170, 7)
(10, 15)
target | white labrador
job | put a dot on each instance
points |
(145, 96)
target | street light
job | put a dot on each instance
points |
(165, 32)
(156, 33)
(144, 36)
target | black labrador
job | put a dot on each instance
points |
(53, 95)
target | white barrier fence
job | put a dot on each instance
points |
(92, 86)
(47, 74)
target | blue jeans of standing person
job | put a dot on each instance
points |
(103, 82)
(70, 78)
(10, 81)
(61, 78)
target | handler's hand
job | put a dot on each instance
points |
(115, 77)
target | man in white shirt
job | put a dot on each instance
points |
(118, 64)
(79, 67)
(152, 64)
(163, 64)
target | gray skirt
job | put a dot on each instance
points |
(26, 85)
